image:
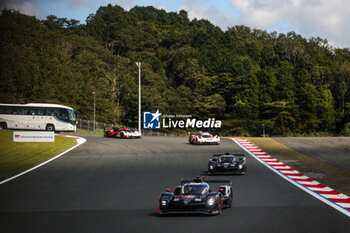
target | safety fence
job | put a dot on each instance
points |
(101, 127)
(89, 125)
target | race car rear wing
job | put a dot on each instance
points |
(238, 155)
(203, 179)
(198, 133)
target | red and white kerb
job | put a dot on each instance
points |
(326, 194)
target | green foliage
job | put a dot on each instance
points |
(245, 77)
(346, 130)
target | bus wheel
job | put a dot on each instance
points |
(50, 127)
(3, 125)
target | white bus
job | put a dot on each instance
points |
(49, 117)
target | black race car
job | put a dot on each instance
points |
(196, 197)
(227, 164)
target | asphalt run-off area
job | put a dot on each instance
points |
(113, 185)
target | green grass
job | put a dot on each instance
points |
(16, 157)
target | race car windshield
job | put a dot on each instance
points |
(227, 159)
(206, 136)
(190, 189)
(128, 130)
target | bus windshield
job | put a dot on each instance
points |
(72, 118)
(62, 114)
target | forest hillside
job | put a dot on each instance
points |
(245, 77)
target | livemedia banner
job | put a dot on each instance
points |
(33, 136)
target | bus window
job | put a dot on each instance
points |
(6, 110)
(3, 109)
(53, 112)
(59, 113)
(22, 111)
(72, 118)
(30, 112)
(40, 111)
(64, 115)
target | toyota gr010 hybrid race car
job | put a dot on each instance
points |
(122, 133)
(227, 164)
(196, 197)
(203, 138)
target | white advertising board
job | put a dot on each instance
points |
(33, 136)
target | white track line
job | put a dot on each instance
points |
(79, 141)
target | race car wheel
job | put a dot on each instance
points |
(160, 213)
(122, 135)
(219, 207)
(230, 203)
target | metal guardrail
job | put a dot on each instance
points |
(165, 134)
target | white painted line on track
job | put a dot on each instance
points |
(339, 196)
(289, 175)
(309, 182)
(281, 167)
(269, 160)
(300, 177)
(289, 172)
(321, 189)
(276, 163)
(79, 140)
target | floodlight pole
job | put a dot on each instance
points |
(94, 112)
(139, 66)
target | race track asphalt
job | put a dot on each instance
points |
(331, 150)
(112, 185)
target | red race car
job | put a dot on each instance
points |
(122, 133)
(203, 138)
